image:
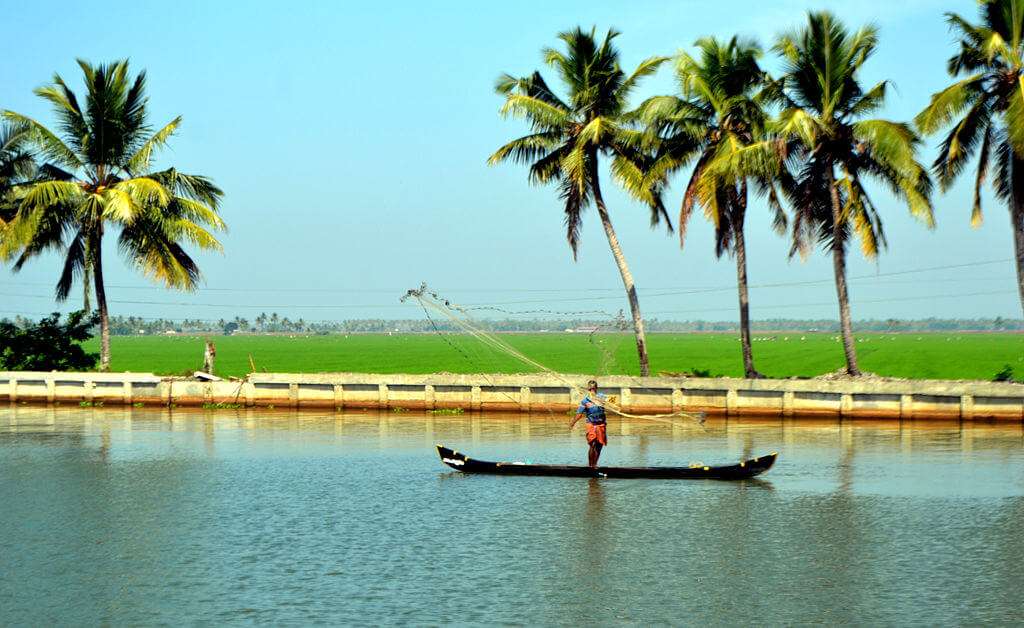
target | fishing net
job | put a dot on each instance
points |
(445, 316)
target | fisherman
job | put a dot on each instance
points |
(592, 407)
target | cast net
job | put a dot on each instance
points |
(447, 317)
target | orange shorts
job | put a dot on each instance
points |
(597, 433)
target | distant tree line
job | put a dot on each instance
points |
(274, 324)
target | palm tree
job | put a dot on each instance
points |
(987, 105)
(834, 149)
(720, 112)
(570, 134)
(103, 178)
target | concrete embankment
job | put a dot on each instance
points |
(855, 398)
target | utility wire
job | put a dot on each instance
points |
(491, 304)
(668, 290)
(957, 295)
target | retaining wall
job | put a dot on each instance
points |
(911, 399)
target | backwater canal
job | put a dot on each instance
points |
(148, 516)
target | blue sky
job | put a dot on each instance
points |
(352, 141)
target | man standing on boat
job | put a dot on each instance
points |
(592, 407)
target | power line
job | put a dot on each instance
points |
(484, 305)
(667, 290)
(958, 295)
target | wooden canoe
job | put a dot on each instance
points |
(739, 471)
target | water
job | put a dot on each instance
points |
(145, 516)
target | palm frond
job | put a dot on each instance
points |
(142, 159)
(48, 194)
(74, 266)
(193, 186)
(959, 144)
(1013, 116)
(49, 144)
(542, 115)
(646, 68)
(144, 191)
(979, 181)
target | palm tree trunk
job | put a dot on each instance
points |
(87, 282)
(1017, 220)
(741, 280)
(101, 298)
(839, 267)
(627, 277)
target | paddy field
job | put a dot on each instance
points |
(909, 355)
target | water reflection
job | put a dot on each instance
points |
(643, 442)
(158, 515)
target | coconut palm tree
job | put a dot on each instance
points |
(835, 148)
(101, 162)
(720, 111)
(570, 134)
(987, 109)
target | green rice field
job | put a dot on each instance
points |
(910, 355)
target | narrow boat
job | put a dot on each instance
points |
(740, 471)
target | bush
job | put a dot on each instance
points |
(1005, 375)
(48, 345)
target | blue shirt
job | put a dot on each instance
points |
(594, 412)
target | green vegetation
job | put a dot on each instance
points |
(99, 176)
(47, 345)
(569, 135)
(940, 356)
(447, 411)
(221, 406)
(837, 149)
(987, 106)
(17, 166)
(1007, 375)
(720, 112)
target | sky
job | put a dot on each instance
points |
(351, 141)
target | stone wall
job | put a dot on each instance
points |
(909, 399)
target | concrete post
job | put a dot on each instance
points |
(126, 395)
(845, 404)
(339, 396)
(428, 396)
(731, 401)
(382, 396)
(906, 406)
(474, 397)
(626, 403)
(966, 407)
(51, 390)
(13, 388)
(90, 391)
(788, 401)
(250, 393)
(166, 394)
(293, 395)
(524, 398)
(678, 400)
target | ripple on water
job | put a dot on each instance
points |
(153, 516)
